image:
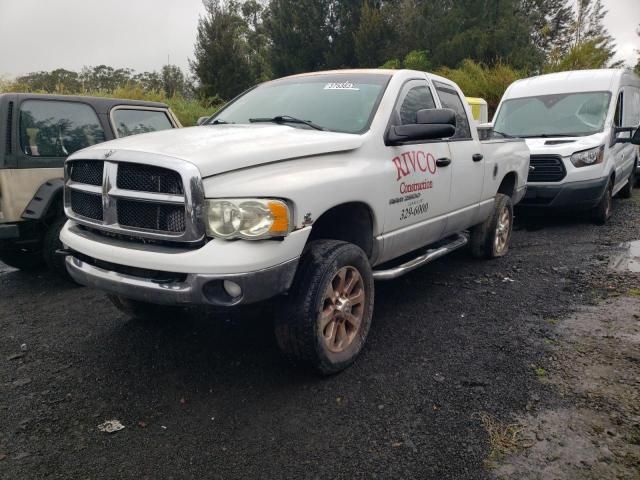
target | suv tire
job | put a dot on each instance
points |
(491, 239)
(325, 322)
(51, 244)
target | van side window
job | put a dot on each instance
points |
(618, 116)
(450, 99)
(130, 121)
(57, 129)
(418, 97)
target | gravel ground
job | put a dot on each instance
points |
(209, 396)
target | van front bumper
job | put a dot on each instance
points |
(572, 195)
(180, 289)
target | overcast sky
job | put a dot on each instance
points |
(144, 34)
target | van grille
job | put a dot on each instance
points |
(546, 169)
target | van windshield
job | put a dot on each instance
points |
(337, 102)
(567, 114)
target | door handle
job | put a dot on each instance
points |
(443, 162)
(478, 157)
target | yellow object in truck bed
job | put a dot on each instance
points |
(479, 109)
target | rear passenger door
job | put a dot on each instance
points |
(467, 164)
(129, 120)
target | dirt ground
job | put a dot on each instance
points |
(522, 368)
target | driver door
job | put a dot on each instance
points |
(417, 188)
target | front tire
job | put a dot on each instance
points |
(492, 238)
(326, 319)
(602, 212)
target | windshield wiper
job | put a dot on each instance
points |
(287, 119)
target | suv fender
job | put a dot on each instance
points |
(47, 194)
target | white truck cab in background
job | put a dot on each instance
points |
(578, 126)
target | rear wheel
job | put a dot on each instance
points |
(144, 310)
(492, 238)
(327, 318)
(602, 212)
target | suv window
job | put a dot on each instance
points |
(129, 121)
(450, 99)
(418, 97)
(57, 129)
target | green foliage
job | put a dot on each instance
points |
(584, 56)
(478, 80)
(393, 64)
(370, 37)
(417, 60)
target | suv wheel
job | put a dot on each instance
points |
(602, 212)
(327, 318)
(492, 238)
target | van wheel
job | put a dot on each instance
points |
(602, 212)
(492, 238)
(50, 245)
(21, 259)
(627, 190)
(144, 310)
(325, 321)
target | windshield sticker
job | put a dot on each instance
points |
(341, 86)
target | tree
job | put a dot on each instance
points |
(370, 37)
(222, 63)
(587, 55)
(173, 81)
(637, 69)
(588, 27)
(298, 32)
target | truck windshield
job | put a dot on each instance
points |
(338, 102)
(567, 114)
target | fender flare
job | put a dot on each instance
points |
(39, 205)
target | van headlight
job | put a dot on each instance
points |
(247, 218)
(587, 158)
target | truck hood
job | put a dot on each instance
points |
(564, 146)
(217, 149)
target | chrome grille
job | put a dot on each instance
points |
(146, 178)
(135, 214)
(158, 199)
(87, 205)
(546, 169)
(86, 172)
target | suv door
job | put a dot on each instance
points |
(467, 167)
(417, 189)
(131, 120)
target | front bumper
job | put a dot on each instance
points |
(9, 231)
(182, 289)
(572, 195)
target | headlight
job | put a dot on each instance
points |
(588, 157)
(251, 219)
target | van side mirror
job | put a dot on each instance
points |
(636, 137)
(431, 124)
(201, 120)
(630, 139)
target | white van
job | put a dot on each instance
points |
(579, 128)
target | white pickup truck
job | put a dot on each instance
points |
(304, 189)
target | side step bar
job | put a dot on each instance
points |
(429, 256)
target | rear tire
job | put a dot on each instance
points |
(602, 212)
(144, 310)
(492, 238)
(325, 321)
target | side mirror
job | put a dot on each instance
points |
(431, 124)
(636, 137)
(485, 131)
(201, 120)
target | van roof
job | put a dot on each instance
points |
(573, 81)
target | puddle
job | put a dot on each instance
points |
(628, 260)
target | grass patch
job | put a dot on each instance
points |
(634, 292)
(504, 439)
